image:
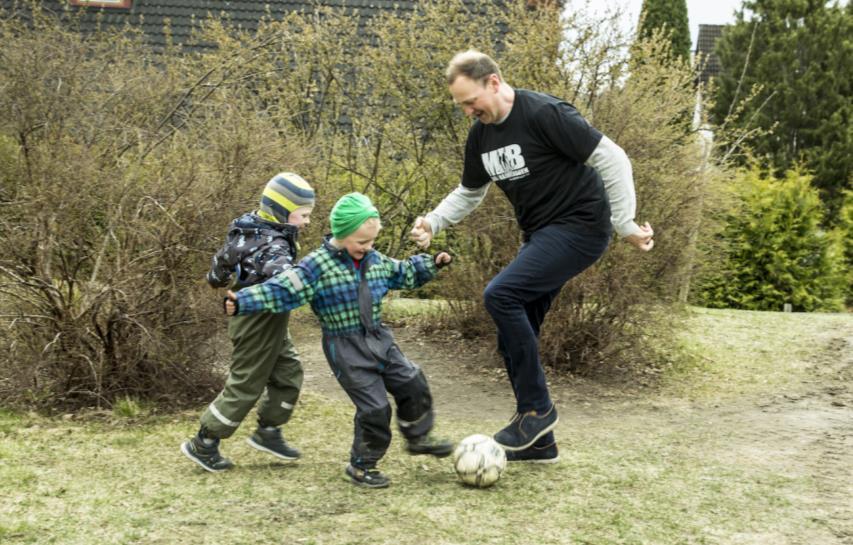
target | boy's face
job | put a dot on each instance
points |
(300, 217)
(361, 241)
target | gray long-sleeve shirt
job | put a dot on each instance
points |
(608, 159)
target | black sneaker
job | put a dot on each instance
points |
(537, 455)
(272, 441)
(427, 444)
(368, 478)
(524, 429)
(207, 456)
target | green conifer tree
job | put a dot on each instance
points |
(801, 55)
(671, 17)
(776, 250)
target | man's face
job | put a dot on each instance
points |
(477, 98)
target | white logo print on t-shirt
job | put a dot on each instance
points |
(506, 163)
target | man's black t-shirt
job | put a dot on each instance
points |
(536, 156)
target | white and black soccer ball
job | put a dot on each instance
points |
(479, 460)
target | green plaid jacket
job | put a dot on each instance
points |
(328, 280)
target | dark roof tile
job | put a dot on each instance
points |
(705, 43)
(184, 14)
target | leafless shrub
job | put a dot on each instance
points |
(122, 171)
(119, 170)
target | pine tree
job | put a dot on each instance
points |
(800, 53)
(670, 16)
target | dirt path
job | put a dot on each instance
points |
(465, 377)
(806, 433)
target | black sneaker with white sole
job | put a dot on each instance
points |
(271, 441)
(368, 478)
(207, 456)
(525, 428)
(547, 454)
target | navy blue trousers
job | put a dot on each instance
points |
(520, 295)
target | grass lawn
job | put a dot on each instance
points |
(125, 482)
(624, 479)
(729, 353)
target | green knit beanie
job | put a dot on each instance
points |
(350, 212)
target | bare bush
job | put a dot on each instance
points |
(123, 171)
(121, 168)
(614, 313)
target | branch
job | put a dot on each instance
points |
(747, 133)
(742, 74)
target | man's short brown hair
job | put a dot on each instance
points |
(473, 65)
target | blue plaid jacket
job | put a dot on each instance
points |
(328, 280)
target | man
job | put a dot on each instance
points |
(570, 187)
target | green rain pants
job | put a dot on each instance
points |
(265, 365)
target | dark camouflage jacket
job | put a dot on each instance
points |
(255, 250)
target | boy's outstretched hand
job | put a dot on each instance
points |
(230, 303)
(443, 259)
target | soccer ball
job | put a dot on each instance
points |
(479, 460)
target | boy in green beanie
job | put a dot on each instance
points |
(344, 281)
(264, 363)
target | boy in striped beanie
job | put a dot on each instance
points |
(264, 364)
(283, 194)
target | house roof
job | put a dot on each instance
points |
(182, 15)
(705, 43)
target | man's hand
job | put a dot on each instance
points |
(443, 259)
(230, 303)
(421, 233)
(644, 240)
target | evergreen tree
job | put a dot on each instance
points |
(800, 53)
(845, 234)
(671, 17)
(776, 251)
